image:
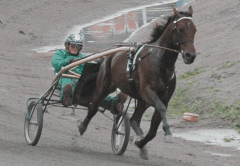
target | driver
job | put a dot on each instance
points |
(62, 58)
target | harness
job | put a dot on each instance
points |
(132, 57)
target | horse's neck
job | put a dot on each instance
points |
(167, 57)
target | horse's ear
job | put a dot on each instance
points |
(175, 11)
(190, 10)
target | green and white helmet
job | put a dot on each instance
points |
(75, 39)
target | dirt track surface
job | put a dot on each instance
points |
(30, 24)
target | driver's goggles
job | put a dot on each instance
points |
(76, 46)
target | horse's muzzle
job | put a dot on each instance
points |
(188, 57)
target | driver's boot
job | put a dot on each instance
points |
(67, 95)
(117, 104)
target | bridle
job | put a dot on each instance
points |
(175, 31)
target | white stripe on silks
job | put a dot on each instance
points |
(182, 19)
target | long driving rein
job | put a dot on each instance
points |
(149, 45)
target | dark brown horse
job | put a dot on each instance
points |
(154, 76)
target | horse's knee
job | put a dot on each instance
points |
(166, 127)
(136, 127)
(161, 108)
(92, 110)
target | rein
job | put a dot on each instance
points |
(149, 45)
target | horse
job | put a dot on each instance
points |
(154, 76)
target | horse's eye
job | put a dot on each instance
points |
(181, 30)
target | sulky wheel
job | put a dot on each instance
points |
(33, 125)
(120, 133)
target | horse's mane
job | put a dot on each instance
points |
(159, 29)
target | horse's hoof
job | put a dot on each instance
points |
(169, 139)
(144, 153)
(134, 138)
(81, 127)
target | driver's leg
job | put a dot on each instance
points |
(114, 104)
(67, 88)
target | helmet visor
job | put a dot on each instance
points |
(78, 46)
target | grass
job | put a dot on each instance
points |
(178, 103)
(191, 74)
(227, 65)
(181, 102)
(228, 139)
(229, 112)
(236, 125)
(206, 107)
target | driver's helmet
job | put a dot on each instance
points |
(75, 39)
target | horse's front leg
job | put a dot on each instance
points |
(135, 124)
(168, 138)
(160, 110)
(137, 116)
(159, 115)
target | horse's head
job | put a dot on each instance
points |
(183, 34)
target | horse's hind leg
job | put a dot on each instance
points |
(99, 96)
(102, 90)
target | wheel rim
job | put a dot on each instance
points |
(31, 126)
(119, 135)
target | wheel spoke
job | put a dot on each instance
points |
(33, 122)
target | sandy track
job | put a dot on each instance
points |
(30, 24)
